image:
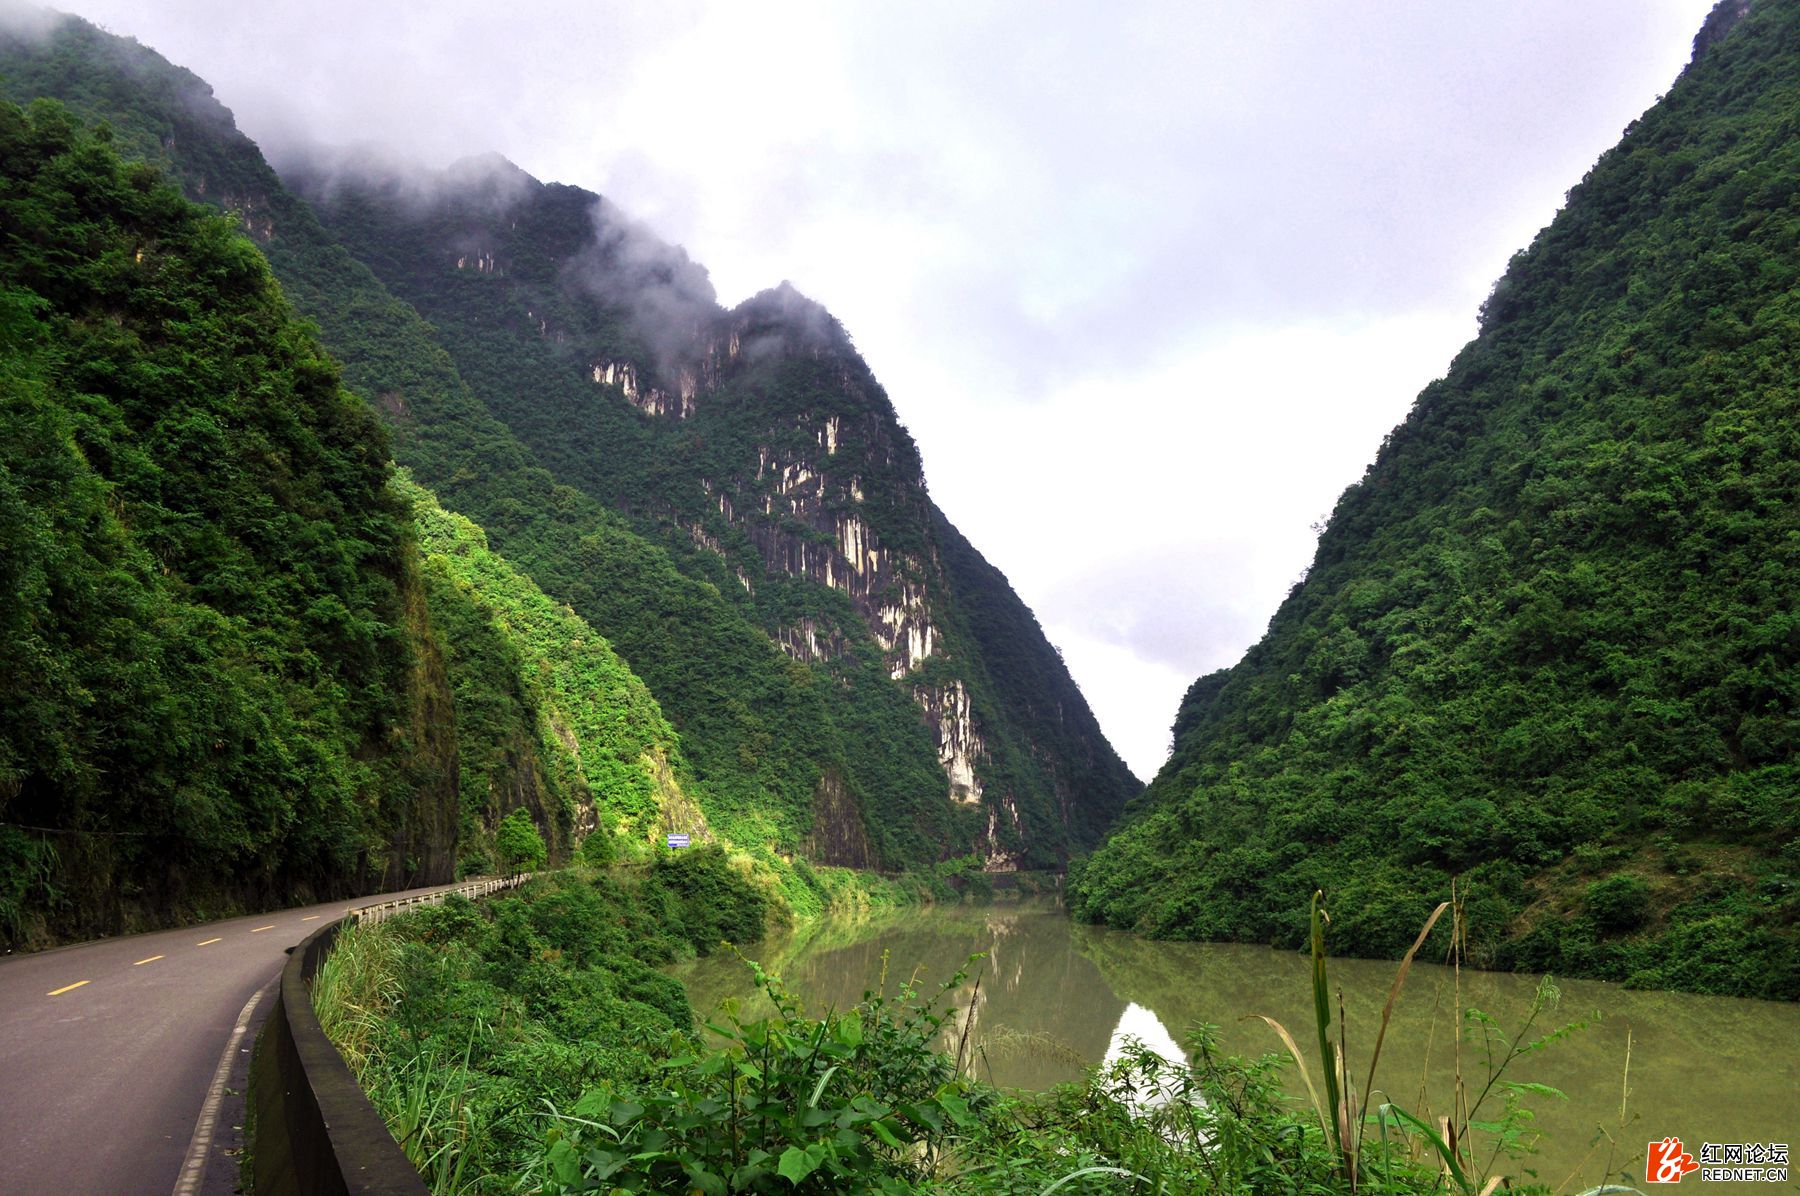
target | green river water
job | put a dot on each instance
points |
(1056, 996)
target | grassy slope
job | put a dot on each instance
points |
(599, 751)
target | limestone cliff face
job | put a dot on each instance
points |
(952, 719)
(807, 529)
(834, 482)
(756, 443)
(650, 400)
(805, 508)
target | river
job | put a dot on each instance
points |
(1056, 997)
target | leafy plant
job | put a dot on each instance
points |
(852, 1101)
(1345, 1117)
(520, 845)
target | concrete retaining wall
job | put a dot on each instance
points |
(314, 1132)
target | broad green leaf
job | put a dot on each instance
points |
(956, 1107)
(796, 1164)
(704, 1181)
(564, 1163)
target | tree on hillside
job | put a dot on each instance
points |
(520, 845)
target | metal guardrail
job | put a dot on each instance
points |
(316, 1132)
(382, 911)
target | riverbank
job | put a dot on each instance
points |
(533, 1041)
(1059, 997)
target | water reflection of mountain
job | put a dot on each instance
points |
(1043, 1011)
(1141, 1028)
(1715, 1069)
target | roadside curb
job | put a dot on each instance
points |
(316, 1132)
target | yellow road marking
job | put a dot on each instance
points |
(57, 992)
(208, 941)
(140, 963)
(260, 929)
(314, 918)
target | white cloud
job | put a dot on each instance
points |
(1165, 512)
(1148, 281)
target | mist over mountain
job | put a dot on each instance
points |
(725, 497)
(754, 445)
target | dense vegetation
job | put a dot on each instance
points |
(216, 680)
(548, 718)
(1549, 642)
(532, 285)
(756, 739)
(494, 411)
(461, 1022)
(526, 1044)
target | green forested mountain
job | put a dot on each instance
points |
(217, 680)
(756, 449)
(1549, 643)
(843, 678)
(548, 718)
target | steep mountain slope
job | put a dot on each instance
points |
(217, 680)
(757, 736)
(1549, 643)
(756, 447)
(362, 744)
(810, 748)
(548, 718)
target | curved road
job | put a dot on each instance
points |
(108, 1050)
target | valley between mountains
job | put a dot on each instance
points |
(366, 527)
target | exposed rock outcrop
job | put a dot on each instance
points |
(952, 718)
(838, 836)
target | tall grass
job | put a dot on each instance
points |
(1467, 1147)
(425, 1102)
(356, 992)
(356, 987)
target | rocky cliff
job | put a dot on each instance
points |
(756, 446)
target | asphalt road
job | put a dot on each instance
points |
(108, 1049)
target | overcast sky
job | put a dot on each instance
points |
(1148, 282)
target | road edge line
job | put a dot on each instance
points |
(193, 1167)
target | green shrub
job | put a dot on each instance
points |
(517, 840)
(707, 901)
(857, 1101)
(597, 849)
(1618, 903)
